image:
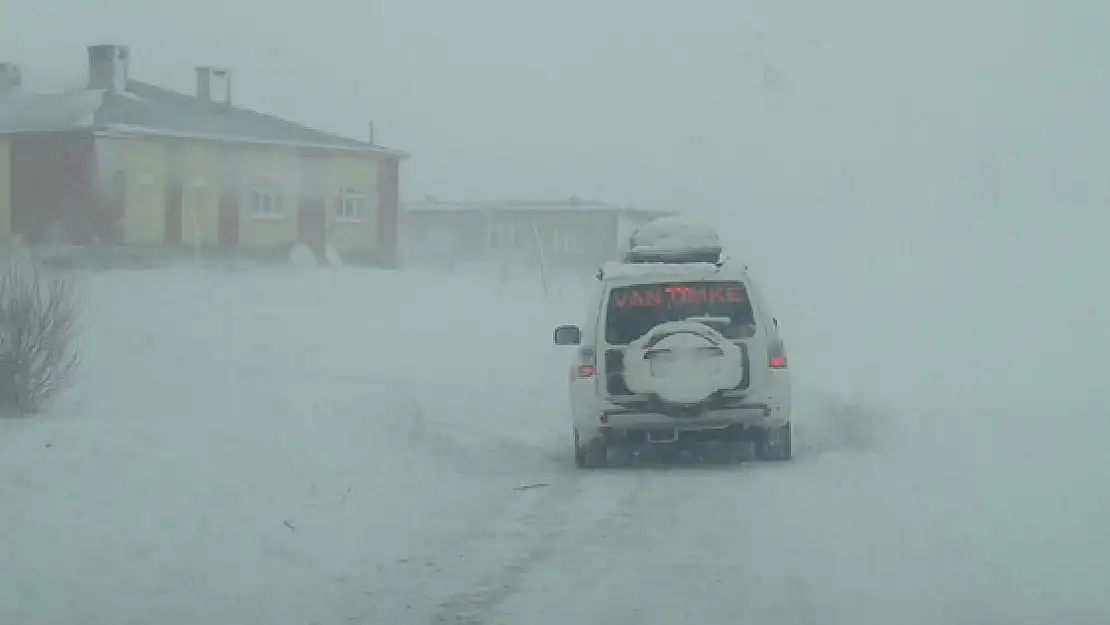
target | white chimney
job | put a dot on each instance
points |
(11, 77)
(214, 84)
(108, 67)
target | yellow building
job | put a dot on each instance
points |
(123, 162)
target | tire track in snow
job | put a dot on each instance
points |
(546, 527)
(683, 545)
(466, 542)
(716, 560)
(455, 537)
(466, 569)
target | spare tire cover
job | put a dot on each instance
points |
(682, 362)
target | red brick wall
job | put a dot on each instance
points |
(53, 187)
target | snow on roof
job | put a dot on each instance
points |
(143, 108)
(22, 111)
(137, 130)
(572, 203)
(149, 109)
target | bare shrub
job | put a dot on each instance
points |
(38, 325)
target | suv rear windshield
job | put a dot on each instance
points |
(635, 310)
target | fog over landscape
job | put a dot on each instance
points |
(920, 189)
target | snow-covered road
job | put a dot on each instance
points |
(350, 446)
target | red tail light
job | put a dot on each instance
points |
(776, 354)
(586, 367)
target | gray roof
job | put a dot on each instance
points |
(29, 112)
(144, 108)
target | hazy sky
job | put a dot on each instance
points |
(718, 104)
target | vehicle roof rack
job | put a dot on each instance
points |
(669, 256)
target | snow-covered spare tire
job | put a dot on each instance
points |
(682, 362)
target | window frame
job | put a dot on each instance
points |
(353, 206)
(266, 200)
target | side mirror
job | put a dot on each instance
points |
(775, 320)
(568, 335)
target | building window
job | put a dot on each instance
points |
(352, 205)
(266, 202)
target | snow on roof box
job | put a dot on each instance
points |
(672, 240)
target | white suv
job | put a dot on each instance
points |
(679, 347)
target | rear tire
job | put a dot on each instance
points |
(594, 455)
(774, 445)
(579, 455)
(619, 455)
(720, 452)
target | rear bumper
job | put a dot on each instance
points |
(750, 415)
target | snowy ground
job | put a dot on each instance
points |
(349, 446)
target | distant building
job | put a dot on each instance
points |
(123, 162)
(573, 233)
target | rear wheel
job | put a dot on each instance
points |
(720, 452)
(619, 455)
(774, 445)
(592, 455)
